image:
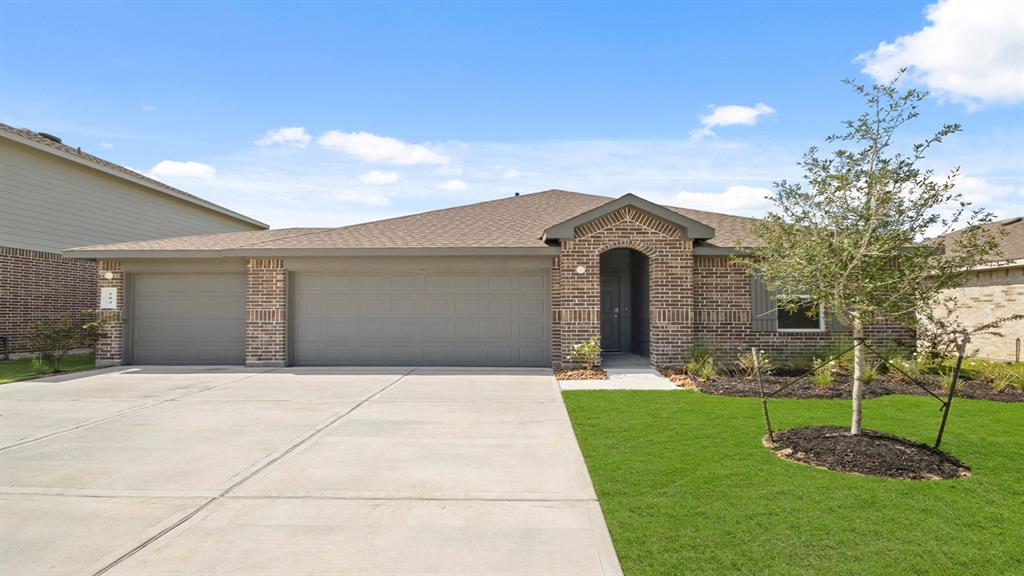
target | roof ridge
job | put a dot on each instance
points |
(459, 207)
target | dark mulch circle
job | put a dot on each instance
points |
(872, 453)
(882, 385)
(581, 374)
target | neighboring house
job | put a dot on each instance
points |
(995, 290)
(54, 197)
(510, 282)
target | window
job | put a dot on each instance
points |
(807, 317)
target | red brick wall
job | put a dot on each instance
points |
(110, 347)
(722, 302)
(266, 309)
(576, 298)
(36, 285)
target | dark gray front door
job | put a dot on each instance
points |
(611, 312)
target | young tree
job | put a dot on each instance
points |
(853, 238)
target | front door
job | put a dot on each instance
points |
(611, 312)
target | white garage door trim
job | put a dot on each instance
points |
(186, 318)
(412, 316)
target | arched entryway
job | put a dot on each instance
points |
(625, 306)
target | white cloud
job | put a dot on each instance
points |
(106, 145)
(380, 149)
(972, 52)
(510, 174)
(379, 177)
(358, 197)
(730, 115)
(737, 199)
(147, 107)
(291, 136)
(453, 185)
(183, 170)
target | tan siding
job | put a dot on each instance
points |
(51, 204)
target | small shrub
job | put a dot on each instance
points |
(703, 368)
(745, 364)
(55, 337)
(40, 364)
(905, 369)
(841, 355)
(586, 354)
(870, 373)
(822, 377)
(1003, 381)
(945, 379)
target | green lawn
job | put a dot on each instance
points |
(22, 369)
(687, 488)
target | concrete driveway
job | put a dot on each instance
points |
(155, 470)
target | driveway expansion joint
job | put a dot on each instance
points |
(303, 440)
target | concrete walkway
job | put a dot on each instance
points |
(625, 372)
(157, 470)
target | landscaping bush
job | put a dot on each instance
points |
(702, 363)
(586, 354)
(54, 337)
(822, 376)
(745, 364)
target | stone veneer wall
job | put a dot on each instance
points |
(722, 302)
(266, 312)
(576, 298)
(37, 285)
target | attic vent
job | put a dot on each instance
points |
(50, 137)
(1013, 220)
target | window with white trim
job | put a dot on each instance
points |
(808, 316)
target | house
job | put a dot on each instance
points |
(54, 197)
(509, 282)
(995, 290)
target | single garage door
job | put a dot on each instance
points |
(187, 319)
(421, 318)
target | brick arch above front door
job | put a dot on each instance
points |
(576, 298)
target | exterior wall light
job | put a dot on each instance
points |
(581, 269)
(108, 275)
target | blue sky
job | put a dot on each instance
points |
(306, 114)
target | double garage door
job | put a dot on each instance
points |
(411, 317)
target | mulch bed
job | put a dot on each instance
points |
(581, 374)
(882, 385)
(872, 453)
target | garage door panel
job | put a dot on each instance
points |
(188, 319)
(407, 318)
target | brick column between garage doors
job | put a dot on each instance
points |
(266, 312)
(110, 346)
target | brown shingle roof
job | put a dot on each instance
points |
(1010, 233)
(85, 157)
(515, 222)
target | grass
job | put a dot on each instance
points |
(686, 487)
(25, 369)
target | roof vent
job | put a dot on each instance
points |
(517, 193)
(50, 137)
(1013, 220)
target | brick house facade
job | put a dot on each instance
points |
(37, 285)
(692, 290)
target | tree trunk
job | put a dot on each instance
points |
(858, 374)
